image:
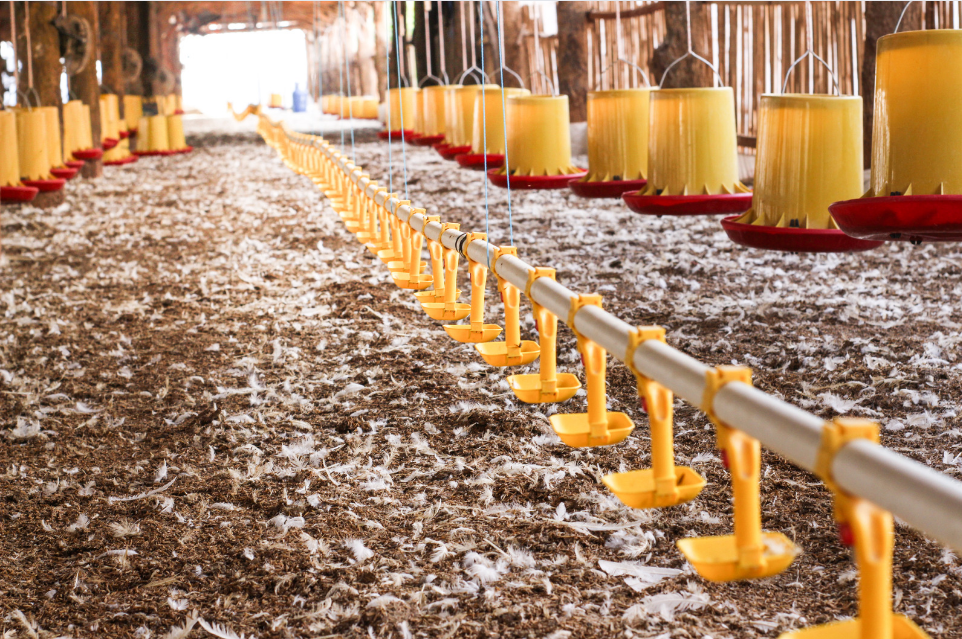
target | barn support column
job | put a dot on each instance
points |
(113, 25)
(85, 86)
(573, 57)
(138, 39)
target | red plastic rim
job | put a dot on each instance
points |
(18, 193)
(110, 143)
(74, 164)
(794, 240)
(124, 135)
(395, 135)
(152, 153)
(45, 186)
(688, 204)
(64, 173)
(449, 152)
(88, 154)
(179, 112)
(186, 149)
(130, 159)
(426, 140)
(612, 188)
(905, 218)
(476, 161)
(533, 182)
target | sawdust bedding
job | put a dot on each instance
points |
(220, 417)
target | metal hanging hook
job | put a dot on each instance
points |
(690, 52)
(427, 49)
(629, 63)
(902, 15)
(810, 52)
(478, 73)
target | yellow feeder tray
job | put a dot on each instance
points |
(402, 106)
(459, 118)
(413, 278)
(750, 553)
(476, 331)
(617, 143)
(438, 293)
(664, 484)
(599, 426)
(539, 144)
(692, 155)
(487, 129)
(513, 351)
(547, 386)
(870, 529)
(809, 156)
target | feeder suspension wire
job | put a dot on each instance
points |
(347, 75)
(484, 137)
(444, 73)
(13, 36)
(504, 119)
(26, 33)
(397, 50)
(340, 87)
(427, 38)
(464, 39)
(387, 96)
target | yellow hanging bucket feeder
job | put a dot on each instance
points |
(487, 127)
(175, 134)
(77, 138)
(402, 105)
(617, 141)
(539, 145)
(152, 136)
(115, 129)
(35, 161)
(58, 169)
(916, 185)
(134, 110)
(459, 114)
(430, 119)
(11, 188)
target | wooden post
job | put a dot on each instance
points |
(880, 20)
(138, 39)
(381, 48)
(85, 85)
(512, 22)
(573, 57)
(689, 72)
(44, 66)
(112, 17)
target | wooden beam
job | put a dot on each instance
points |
(573, 57)
(85, 85)
(644, 10)
(112, 17)
(138, 39)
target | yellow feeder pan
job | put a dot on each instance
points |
(513, 351)
(870, 529)
(487, 136)
(51, 116)
(599, 426)
(35, 162)
(430, 118)
(750, 553)
(402, 106)
(77, 138)
(617, 143)
(664, 484)
(11, 188)
(175, 135)
(547, 386)
(152, 137)
(134, 109)
(475, 332)
(459, 118)
(915, 193)
(692, 155)
(445, 277)
(809, 156)
(539, 144)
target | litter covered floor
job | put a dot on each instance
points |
(221, 416)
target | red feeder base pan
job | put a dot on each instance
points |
(74, 164)
(88, 154)
(449, 152)
(152, 153)
(794, 240)
(688, 204)
(533, 182)
(179, 112)
(426, 140)
(906, 218)
(110, 143)
(45, 186)
(476, 161)
(186, 149)
(18, 193)
(396, 135)
(65, 173)
(130, 159)
(612, 188)
(124, 135)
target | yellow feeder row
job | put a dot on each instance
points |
(491, 135)
(476, 331)
(692, 144)
(152, 134)
(442, 303)
(459, 112)
(539, 137)
(134, 110)
(402, 105)
(175, 133)
(54, 146)
(109, 118)
(618, 135)
(429, 118)
(809, 156)
(32, 145)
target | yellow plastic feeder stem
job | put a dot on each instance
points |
(749, 553)
(547, 386)
(367, 232)
(513, 351)
(477, 331)
(448, 309)
(599, 426)
(664, 484)
(618, 135)
(395, 250)
(692, 143)
(809, 156)
(870, 530)
(414, 278)
(487, 134)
